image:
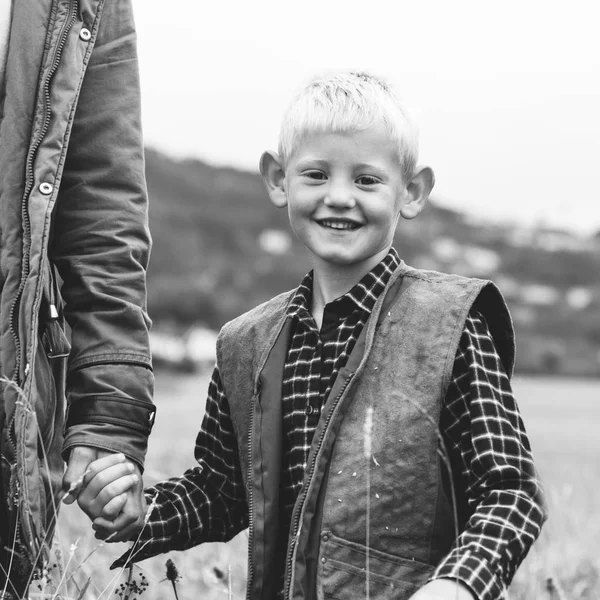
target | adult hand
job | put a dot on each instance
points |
(122, 517)
(443, 589)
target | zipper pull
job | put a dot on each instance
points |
(53, 311)
(27, 369)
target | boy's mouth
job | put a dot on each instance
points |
(339, 224)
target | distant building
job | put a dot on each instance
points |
(201, 344)
(539, 295)
(554, 240)
(579, 298)
(275, 241)
(465, 259)
(548, 239)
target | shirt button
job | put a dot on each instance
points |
(325, 537)
(323, 560)
(46, 188)
(309, 410)
(85, 34)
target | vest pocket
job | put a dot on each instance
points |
(342, 572)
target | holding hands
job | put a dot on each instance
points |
(109, 491)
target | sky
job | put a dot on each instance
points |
(506, 95)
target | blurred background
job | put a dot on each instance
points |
(507, 102)
(506, 96)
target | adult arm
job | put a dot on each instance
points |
(100, 245)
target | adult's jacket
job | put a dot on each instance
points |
(73, 210)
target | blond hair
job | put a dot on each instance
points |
(345, 102)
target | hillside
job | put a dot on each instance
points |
(220, 248)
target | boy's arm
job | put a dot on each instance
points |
(499, 497)
(208, 503)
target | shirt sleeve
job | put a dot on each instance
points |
(208, 503)
(498, 495)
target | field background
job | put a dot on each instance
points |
(561, 416)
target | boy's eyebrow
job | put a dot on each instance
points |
(320, 162)
(368, 166)
(312, 161)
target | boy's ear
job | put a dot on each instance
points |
(418, 191)
(273, 175)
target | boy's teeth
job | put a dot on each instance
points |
(338, 224)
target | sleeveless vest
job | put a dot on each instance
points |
(401, 367)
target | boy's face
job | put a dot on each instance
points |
(345, 193)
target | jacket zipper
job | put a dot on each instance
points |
(299, 513)
(67, 25)
(250, 498)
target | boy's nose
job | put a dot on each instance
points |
(340, 196)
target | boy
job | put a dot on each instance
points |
(280, 450)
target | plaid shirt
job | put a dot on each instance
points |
(495, 482)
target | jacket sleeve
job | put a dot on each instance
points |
(101, 246)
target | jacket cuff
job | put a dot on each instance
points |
(110, 437)
(129, 413)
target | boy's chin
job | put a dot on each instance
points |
(341, 260)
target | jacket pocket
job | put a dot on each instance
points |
(50, 372)
(342, 572)
(49, 375)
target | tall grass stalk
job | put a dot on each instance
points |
(368, 434)
(64, 570)
(43, 542)
(229, 586)
(442, 452)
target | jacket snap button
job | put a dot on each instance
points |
(46, 188)
(323, 560)
(85, 34)
(325, 537)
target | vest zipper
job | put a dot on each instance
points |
(66, 27)
(299, 513)
(250, 498)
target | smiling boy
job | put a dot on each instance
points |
(447, 494)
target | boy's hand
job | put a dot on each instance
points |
(112, 496)
(443, 589)
(80, 458)
(129, 523)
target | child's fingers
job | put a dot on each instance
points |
(105, 486)
(97, 481)
(93, 469)
(73, 492)
(113, 507)
(128, 524)
(114, 531)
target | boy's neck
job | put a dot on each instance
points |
(332, 281)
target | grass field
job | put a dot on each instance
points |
(562, 418)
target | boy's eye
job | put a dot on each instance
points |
(316, 175)
(367, 180)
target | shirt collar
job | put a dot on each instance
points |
(362, 296)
